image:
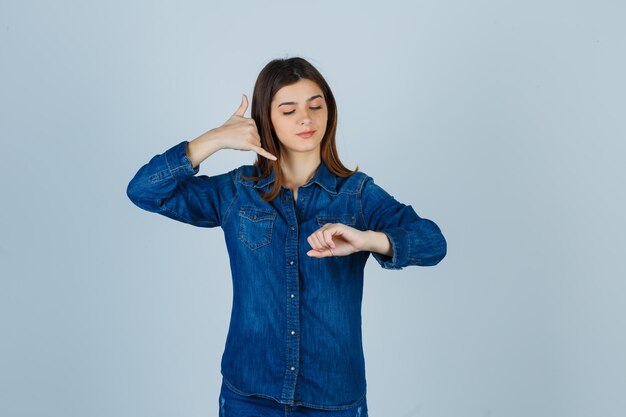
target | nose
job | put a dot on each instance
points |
(306, 120)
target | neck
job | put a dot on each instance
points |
(299, 168)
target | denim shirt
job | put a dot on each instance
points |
(295, 327)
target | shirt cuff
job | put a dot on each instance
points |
(399, 239)
(179, 165)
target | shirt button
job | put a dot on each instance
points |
(293, 369)
(291, 263)
(293, 332)
(293, 228)
(293, 295)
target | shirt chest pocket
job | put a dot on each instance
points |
(255, 226)
(348, 219)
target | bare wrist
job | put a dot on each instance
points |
(378, 242)
(213, 137)
(202, 147)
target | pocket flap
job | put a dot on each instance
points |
(256, 214)
(348, 219)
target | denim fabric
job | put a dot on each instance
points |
(233, 404)
(295, 327)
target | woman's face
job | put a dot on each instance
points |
(297, 108)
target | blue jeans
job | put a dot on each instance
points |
(232, 404)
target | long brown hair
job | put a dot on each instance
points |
(274, 76)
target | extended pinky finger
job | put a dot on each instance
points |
(263, 152)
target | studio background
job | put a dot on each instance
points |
(501, 121)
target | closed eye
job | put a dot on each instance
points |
(293, 111)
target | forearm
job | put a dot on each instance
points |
(378, 242)
(202, 147)
(157, 180)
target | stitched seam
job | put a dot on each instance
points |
(360, 203)
(230, 386)
(347, 219)
(232, 201)
(394, 258)
(242, 237)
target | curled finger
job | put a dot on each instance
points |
(317, 243)
(328, 237)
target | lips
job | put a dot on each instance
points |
(306, 134)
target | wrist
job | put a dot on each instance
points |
(377, 242)
(202, 147)
(209, 140)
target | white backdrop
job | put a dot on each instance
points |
(501, 121)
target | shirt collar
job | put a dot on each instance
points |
(326, 179)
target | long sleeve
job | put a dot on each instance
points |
(414, 240)
(168, 185)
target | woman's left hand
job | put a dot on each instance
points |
(336, 239)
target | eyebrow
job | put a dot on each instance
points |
(308, 99)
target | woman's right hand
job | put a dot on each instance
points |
(238, 132)
(241, 132)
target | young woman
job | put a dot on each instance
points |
(299, 227)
